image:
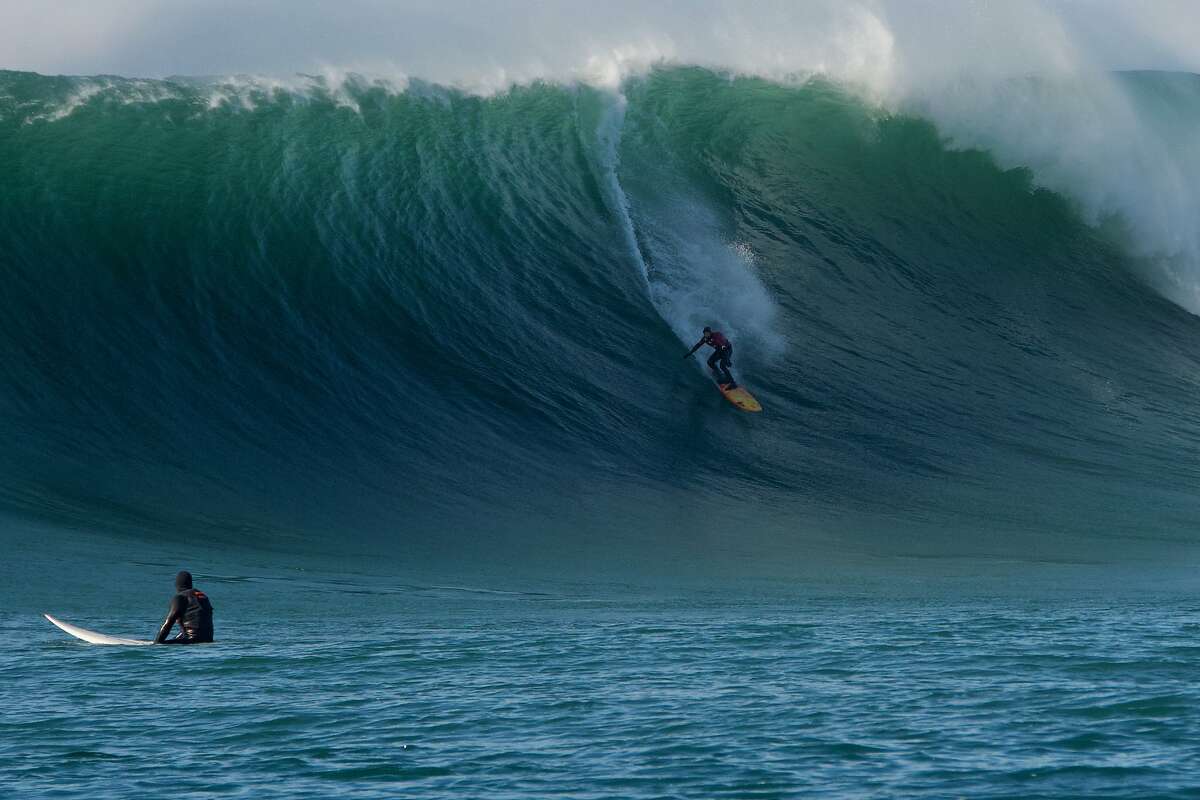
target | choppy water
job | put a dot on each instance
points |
(396, 690)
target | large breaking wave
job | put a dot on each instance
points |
(439, 322)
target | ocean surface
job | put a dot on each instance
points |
(398, 373)
(363, 685)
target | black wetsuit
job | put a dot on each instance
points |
(720, 361)
(194, 613)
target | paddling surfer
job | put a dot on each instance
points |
(721, 358)
(192, 610)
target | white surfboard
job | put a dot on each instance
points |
(91, 636)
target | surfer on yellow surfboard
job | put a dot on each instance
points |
(721, 359)
(719, 362)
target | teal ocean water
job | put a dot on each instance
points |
(360, 684)
(397, 374)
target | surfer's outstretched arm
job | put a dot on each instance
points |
(174, 614)
(695, 347)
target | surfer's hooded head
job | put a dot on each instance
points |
(183, 580)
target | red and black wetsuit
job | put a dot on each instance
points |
(722, 357)
(192, 610)
(717, 340)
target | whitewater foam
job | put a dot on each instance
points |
(1090, 139)
(697, 279)
(700, 279)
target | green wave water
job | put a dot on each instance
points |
(451, 326)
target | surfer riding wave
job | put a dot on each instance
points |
(721, 358)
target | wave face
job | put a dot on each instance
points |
(436, 323)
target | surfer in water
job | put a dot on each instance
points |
(721, 359)
(192, 610)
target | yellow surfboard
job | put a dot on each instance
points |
(740, 398)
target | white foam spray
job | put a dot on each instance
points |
(694, 278)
